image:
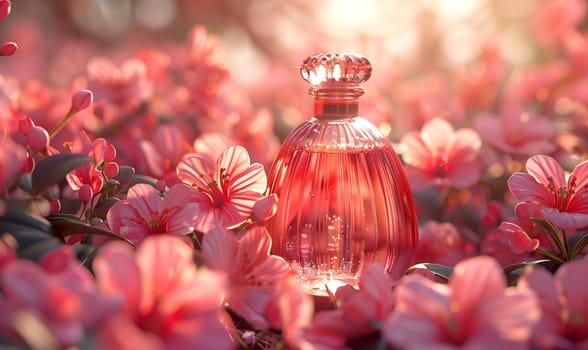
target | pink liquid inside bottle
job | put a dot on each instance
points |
(344, 201)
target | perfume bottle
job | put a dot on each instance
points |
(344, 200)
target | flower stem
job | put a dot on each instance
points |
(61, 123)
(550, 255)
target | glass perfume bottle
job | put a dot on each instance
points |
(344, 200)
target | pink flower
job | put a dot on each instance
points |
(82, 99)
(12, 157)
(253, 272)
(205, 66)
(145, 212)
(359, 312)
(168, 302)
(519, 240)
(226, 192)
(477, 86)
(564, 202)
(516, 132)
(563, 299)
(368, 307)
(7, 249)
(58, 296)
(474, 311)
(254, 131)
(5, 7)
(291, 310)
(440, 156)
(125, 85)
(8, 48)
(265, 208)
(29, 291)
(442, 243)
(92, 175)
(164, 152)
(498, 245)
(66, 270)
(210, 145)
(555, 18)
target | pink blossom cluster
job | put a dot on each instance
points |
(133, 201)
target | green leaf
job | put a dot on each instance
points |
(514, 271)
(143, 179)
(52, 170)
(442, 271)
(32, 234)
(124, 176)
(579, 246)
(14, 222)
(86, 253)
(103, 206)
(552, 231)
(34, 245)
(70, 225)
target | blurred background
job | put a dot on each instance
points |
(431, 58)
(265, 40)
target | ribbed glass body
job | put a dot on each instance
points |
(343, 198)
(344, 201)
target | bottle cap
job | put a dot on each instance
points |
(347, 68)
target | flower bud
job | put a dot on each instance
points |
(265, 208)
(109, 153)
(160, 185)
(81, 100)
(4, 8)
(28, 165)
(55, 205)
(8, 48)
(111, 170)
(85, 193)
(25, 124)
(37, 138)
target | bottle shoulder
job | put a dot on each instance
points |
(323, 134)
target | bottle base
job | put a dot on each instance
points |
(320, 282)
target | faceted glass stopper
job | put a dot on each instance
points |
(327, 69)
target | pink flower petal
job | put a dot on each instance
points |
(414, 152)
(407, 331)
(146, 201)
(545, 170)
(542, 283)
(490, 128)
(464, 174)
(254, 248)
(580, 172)
(163, 261)
(507, 321)
(519, 241)
(565, 220)
(418, 295)
(474, 280)
(437, 134)
(234, 160)
(575, 290)
(524, 188)
(117, 274)
(219, 249)
(196, 171)
(296, 309)
(253, 179)
(466, 146)
(211, 145)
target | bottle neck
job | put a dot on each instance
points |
(335, 109)
(336, 102)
